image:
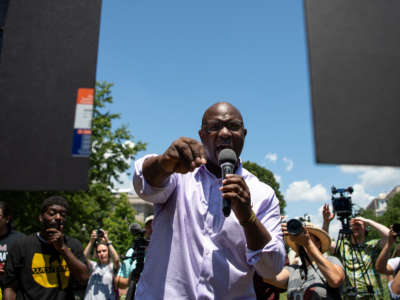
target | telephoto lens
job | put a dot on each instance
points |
(294, 227)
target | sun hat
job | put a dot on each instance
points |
(319, 233)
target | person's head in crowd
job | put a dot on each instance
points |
(222, 127)
(319, 237)
(148, 226)
(5, 218)
(358, 227)
(53, 213)
(102, 253)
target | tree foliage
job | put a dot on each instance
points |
(97, 207)
(390, 216)
(267, 177)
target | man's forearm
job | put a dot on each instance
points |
(78, 269)
(153, 171)
(257, 236)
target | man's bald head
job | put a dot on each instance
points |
(223, 108)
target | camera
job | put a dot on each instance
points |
(100, 233)
(396, 228)
(294, 226)
(341, 202)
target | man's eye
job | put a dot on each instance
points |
(234, 126)
(214, 127)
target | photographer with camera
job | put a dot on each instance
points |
(390, 266)
(101, 281)
(359, 255)
(129, 263)
(318, 277)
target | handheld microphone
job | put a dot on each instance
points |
(226, 160)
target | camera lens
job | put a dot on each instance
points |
(396, 228)
(294, 227)
(100, 233)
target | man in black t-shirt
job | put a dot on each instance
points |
(44, 264)
(7, 237)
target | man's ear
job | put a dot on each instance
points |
(202, 135)
(244, 132)
(8, 219)
(40, 218)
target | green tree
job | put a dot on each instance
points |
(97, 207)
(390, 216)
(267, 177)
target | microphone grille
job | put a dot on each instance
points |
(227, 155)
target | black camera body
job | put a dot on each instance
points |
(396, 228)
(100, 233)
(294, 227)
(341, 202)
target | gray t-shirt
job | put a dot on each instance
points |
(100, 285)
(311, 289)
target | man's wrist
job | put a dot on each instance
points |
(109, 243)
(250, 220)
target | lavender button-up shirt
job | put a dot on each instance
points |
(197, 253)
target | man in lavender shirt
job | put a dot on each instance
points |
(195, 251)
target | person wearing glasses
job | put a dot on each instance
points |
(195, 251)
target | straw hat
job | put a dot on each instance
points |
(322, 235)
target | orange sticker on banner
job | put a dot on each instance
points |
(85, 96)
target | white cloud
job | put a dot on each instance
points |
(289, 163)
(303, 191)
(374, 177)
(272, 157)
(360, 196)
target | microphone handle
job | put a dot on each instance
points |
(226, 207)
(226, 168)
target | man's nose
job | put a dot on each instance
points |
(225, 132)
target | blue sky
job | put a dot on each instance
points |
(170, 60)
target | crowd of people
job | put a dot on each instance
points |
(51, 265)
(197, 249)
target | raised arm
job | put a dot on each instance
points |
(89, 248)
(182, 156)
(381, 265)
(382, 230)
(327, 218)
(333, 273)
(113, 253)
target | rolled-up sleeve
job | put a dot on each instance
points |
(270, 260)
(148, 192)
